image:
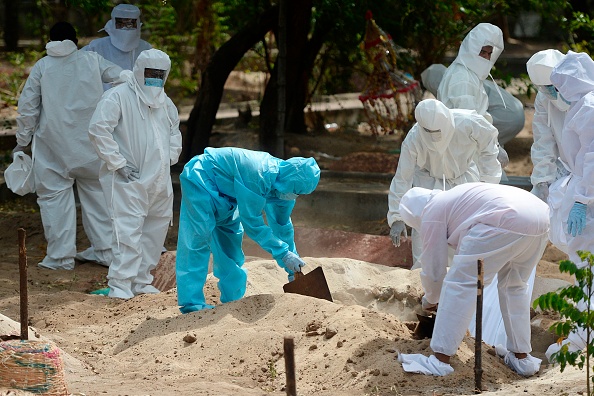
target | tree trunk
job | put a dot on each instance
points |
(298, 26)
(222, 63)
(11, 25)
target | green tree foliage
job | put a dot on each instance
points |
(565, 301)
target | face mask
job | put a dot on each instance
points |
(561, 103)
(286, 196)
(153, 82)
(435, 135)
(549, 91)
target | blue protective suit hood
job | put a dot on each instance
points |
(297, 175)
(573, 76)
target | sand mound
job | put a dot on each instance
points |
(348, 347)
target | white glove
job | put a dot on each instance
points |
(417, 363)
(541, 190)
(293, 262)
(502, 157)
(427, 306)
(526, 367)
(396, 230)
(17, 149)
(129, 173)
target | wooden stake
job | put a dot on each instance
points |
(23, 283)
(478, 336)
(289, 348)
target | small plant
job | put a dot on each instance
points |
(565, 302)
(272, 369)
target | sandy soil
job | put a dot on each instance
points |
(144, 346)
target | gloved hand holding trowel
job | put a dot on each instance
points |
(293, 263)
(427, 306)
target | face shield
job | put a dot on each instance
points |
(154, 77)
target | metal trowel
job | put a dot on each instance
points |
(424, 328)
(312, 284)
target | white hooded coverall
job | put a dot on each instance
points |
(547, 125)
(574, 79)
(505, 226)
(137, 125)
(462, 84)
(506, 110)
(55, 108)
(445, 163)
(121, 47)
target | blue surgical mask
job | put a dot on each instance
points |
(286, 196)
(549, 90)
(153, 82)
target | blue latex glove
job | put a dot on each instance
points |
(577, 219)
(396, 230)
(101, 292)
(129, 173)
(293, 262)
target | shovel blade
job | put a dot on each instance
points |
(424, 328)
(312, 284)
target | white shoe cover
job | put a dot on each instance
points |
(554, 348)
(63, 264)
(144, 289)
(417, 363)
(100, 257)
(525, 367)
(119, 288)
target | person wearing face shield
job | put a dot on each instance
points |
(547, 125)
(123, 43)
(55, 108)
(227, 190)
(462, 85)
(571, 196)
(135, 131)
(506, 110)
(504, 226)
(439, 152)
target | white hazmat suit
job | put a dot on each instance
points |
(547, 152)
(506, 110)
(505, 226)
(573, 77)
(55, 108)
(135, 131)
(462, 84)
(441, 162)
(123, 45)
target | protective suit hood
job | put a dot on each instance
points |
(413, 204)
(541, 64)
(60, 48)
(297, 175)
(571, 76)
(152, 59)
(468, 55)
(432, 76)
(124, 40)
(432, 115)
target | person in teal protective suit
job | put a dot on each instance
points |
(227, 190)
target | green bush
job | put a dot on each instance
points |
(565, 302)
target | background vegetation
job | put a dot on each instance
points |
(207, 39)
